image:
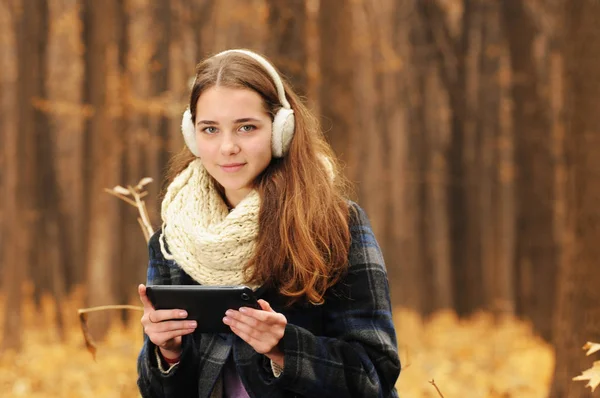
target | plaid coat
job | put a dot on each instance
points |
(345, 347)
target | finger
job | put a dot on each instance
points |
(168, 326)
(143, 297)
(246, 323)
(265, 305)
(160, 339)
(166, 315)
(268, 317)
(261, 345)
(161, 332)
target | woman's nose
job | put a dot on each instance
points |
(229, 145)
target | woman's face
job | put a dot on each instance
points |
(233, 133)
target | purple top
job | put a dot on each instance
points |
(232, 384)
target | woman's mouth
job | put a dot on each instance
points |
(232, 167)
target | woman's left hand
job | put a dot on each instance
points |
(262, 329)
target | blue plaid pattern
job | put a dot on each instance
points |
(344, 348)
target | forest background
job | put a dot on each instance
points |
(471, 129)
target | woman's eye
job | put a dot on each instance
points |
(247, 128)
(210, 130)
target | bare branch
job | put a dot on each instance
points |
(110, 307)
(87, 337)
(432, 382)
(144, 231)
(126, 199)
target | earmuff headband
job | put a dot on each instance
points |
(269, 68)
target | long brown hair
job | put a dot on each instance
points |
(304, 238)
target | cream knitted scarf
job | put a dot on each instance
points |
(209, 242)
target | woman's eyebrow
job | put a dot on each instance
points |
(241, 120)
(206, 122)
(247, 119)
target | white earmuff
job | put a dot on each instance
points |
(283, 122)
(283, 131)
(189, 132)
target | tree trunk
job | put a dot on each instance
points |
(577, 316)
(142, 33)
(336, 97)
(405, 52)
(503, 299)
(286, 45)
(105, 152)
(50, 237)
(64, 78)
(31, 35)
(458, 54)
(536, 249)
(13, 226)
(238, 24)
(493, 194)
(155, 155)
(437, 280)
(186, 50)
(62, 149)
(367, 158)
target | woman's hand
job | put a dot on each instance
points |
(262, 329)
(163, 327)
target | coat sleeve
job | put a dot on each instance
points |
(181, 380)
(357, 356)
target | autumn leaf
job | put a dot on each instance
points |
(121, 190)
(592, 374)
(591, 347)
(143, 182)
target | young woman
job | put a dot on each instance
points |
(256, 199)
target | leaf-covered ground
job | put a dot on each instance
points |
(473, 358)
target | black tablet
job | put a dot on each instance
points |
(204, 304)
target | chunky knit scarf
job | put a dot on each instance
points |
(209, 242)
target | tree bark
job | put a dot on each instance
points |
(495, 197)
(458, 56)
(186, 49)
(407, 58)
(105, 153)
(231, 26)
(577, 316)
(286, 45)
(62, 151)
(367, 158)
(141, 107)
(336, 97)
(13, 226)
(63, 80)
(536, 250)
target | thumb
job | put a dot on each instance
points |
(143, 297)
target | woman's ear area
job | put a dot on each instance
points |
(283, 131)
(189, 132)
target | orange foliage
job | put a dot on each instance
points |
(592, 375)
(477, 357)
(48, 368)
(466, 358)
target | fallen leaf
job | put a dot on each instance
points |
(591, 347)
(592, 374)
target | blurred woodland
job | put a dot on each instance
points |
(470, 127)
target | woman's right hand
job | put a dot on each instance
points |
(164, 327)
